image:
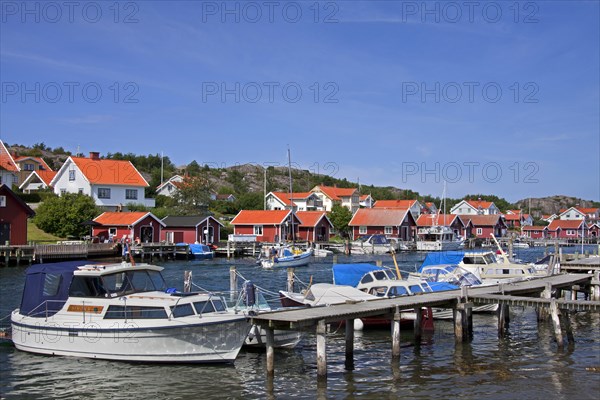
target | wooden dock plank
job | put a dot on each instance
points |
(301, 318)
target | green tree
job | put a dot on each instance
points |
(340, 217)
(63, 216)
(193, 195)
(250, 201)
(193, 168)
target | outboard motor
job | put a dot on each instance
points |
(249, 294)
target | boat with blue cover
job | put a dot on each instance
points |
(122, 312)
(200, 251)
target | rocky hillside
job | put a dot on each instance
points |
(552, 205)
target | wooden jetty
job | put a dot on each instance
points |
(546, 291)
(16, 255)
(161, 251)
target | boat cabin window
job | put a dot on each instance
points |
(366, 279)
(51, 284)
(87, 286)
(380, 275)
(416, 289)
(398, 291)
(378, 291)
(203, 307)
(135, 312)
(133, 281)
(182, 310)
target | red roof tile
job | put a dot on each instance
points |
(122, 218)
(6, 160)
(109, 172)
(480, 203)
(254, 217)
(335, 193)
(378, 217)
(311, 218)
(565, 224)
(46, 176)
(435, 219)
(481, 220)
(402, 204)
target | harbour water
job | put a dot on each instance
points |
(524, 364)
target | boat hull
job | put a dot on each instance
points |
(437, 246)
(177, 342)
(283, 339)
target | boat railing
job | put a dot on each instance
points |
(42, 309)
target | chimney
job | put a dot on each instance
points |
(94, 155)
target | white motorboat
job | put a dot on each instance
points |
(122, 312)
(288, 257)
(373, 244)
(437, 238)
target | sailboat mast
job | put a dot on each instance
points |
(291, 200)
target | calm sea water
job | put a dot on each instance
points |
(524, 364)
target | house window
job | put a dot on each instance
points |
(80, 190)
(112, 232)
(103, 193)
(72, 175)
(63, 192)
(479, 231)
(29, 167)
(388, 230)
(570, 232)
(131, 194)
(2, 201)
(362, 230)
(258, 230)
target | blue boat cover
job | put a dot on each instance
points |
(48, 282)
(442, 257)
(441, 286)
(350, 274)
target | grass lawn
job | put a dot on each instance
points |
(35, 234)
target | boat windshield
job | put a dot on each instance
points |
(133, 281)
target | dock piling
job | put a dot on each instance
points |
(270, 346)
(321, 332)
(418, 324)
(396, 335)
(349, 364)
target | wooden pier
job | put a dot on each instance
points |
(546, 300)
(40, 253)
(161, 251)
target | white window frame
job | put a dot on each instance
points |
(258, 230)
(129, 193)
(479, 231)
(112, 232)
(388, 230)
(362, 230)
(71, 175)
(63, 192)
(2, 201)
(104, 197)
(570, 232)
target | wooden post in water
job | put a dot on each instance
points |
(290, 279)
(566, 322)
(187, 281)
(417, 325)
(321, 349)
(503, 319)
(232, 282)
(542, 312)
(349, 364)
(396, 335)
(555, 314)
(510, 250)
(270, 346)
(228, 253)
(461, 328)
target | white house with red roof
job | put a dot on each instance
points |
(170, 186)
(568, 229)
(413, 205)
(315, 226)
(475, 207)
(330, 195)
(302, 201)
(9, 170)
(111, 183)
(37, 180)
(517, 219)
(391, 222)
(118, 226)
(271, 226)
(574, 213)
(366, 201)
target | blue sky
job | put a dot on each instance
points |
(493, 97)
